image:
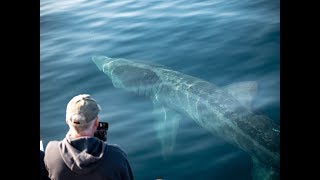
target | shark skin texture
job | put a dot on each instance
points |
(223, 111)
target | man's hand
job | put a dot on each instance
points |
(101, 134)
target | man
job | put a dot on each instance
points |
(80, 155)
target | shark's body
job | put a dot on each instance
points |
(222, 111)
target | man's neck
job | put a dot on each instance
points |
(74, 134)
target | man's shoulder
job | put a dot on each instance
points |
(51, 145)
(115, 148)
(53, 142)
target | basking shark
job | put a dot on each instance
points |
(223, 111)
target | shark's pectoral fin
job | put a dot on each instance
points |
(166, 126)
(261, 172)
(243, 91)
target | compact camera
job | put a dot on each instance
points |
(101, 131)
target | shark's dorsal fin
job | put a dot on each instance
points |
(243, 91)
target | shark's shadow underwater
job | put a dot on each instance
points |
(223, 111)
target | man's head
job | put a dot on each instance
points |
(81, 112)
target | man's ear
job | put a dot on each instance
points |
(96, 123)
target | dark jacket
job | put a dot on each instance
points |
(86, 158)
(43, 170)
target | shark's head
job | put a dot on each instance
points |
(128, 74)
(101, 61)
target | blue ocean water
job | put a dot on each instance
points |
(218, 41)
